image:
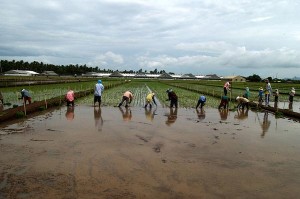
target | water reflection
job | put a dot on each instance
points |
(171, 117)
(149, 113)
(201, 114)
(127, 115)
(223, 113)
(265, 124)
(98, 118)
(70, 113)
(242, 114)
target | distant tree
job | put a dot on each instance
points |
(254, 78)
(270, 79)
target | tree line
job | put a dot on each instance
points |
(70, 69)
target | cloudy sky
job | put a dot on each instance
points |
(232, 37)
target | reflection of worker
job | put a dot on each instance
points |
(98, 118)
(70, 97)
(201, 114)
(127, 115)
(25, 95)
(70, 113)
(242, 114)
(265, 124)
(172, 116)
(150, 99)
(127, 97)
(149, 113)
(223, 113)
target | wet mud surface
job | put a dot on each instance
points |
(160, 153)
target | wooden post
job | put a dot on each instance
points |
(45, 101)
(231, 88)
(24, 105)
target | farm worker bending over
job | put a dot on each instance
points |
(224, 102)
(99, 88)
(172, 97)
(201, 101)
(70, 97)
(226, 87)
(242, 102)
(149, 99)
(25, 96)
(127, 97)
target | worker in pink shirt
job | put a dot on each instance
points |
(226, 88)
(127, 97)
(70, 97)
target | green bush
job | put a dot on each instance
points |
(42, 108)
(20, 114)
(15, 106)
(278, 114)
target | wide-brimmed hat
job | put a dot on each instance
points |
(261, 88)
(168, 90)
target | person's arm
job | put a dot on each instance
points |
(153, 98)
(22, 95)
(130, 98)
(169, 97)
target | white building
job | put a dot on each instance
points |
(20, 73)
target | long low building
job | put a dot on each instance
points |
(20, 73)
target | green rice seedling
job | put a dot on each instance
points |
(20, 114)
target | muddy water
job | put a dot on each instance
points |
(118, 153)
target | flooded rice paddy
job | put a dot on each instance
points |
(87, 152)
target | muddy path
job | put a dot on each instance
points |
(110, 152)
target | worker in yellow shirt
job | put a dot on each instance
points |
(150, 99)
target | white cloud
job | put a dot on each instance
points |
(107, 58)
(209, 36)
(259, 19)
